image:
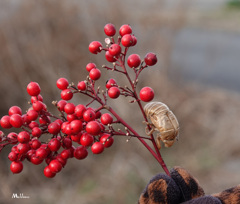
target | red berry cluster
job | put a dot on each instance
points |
(79, 127)
(114, 53)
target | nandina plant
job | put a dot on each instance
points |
(80, 128)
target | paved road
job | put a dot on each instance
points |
(209, 57)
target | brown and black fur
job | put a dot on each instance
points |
(182, 187)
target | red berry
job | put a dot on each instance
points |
(90, 66)
(33, 89)
(97, 148)
(76, 126)
(59, 121)
(95, 74)
(66, 143)
(61, 104)
(62, 83)
(86, 139)
(80, 152)
(66, 94)
(71, 151)
(113, 92)
(69, 108)
(36, 98)
(23, 137)
(65, 154)
(41, 153)
(102, 127)
(16, 120)
(36, 132)
(30, 153)
(5, 122)
(14, 148)
(76, 138)
(109, 29)
(55, 166)
(48, 173)
(89, 115)
(33, 124)
(15, 110)
(12, 136)
(125, 29)
(54, 128)
(12, 156)
(82, 85)
(65, 127)
(45, 146)
(146, 94)
(134, 60)
(54, 145)
(61, 160)
(127, 40)
(106, 119)
(109, 57)
(106, 140)
(98, 114)
(1, 135)
(115, 49)
(22, 148)
(35, 143)
(93, 127)
(134, 40)
(35, 159)
(150, 59)
(38, 106)
(95, 47)
(32, 115)
(25, 120)
(16, 167)
(79, 110)
(71, 117)
(44, 120)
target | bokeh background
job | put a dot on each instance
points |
(198, 76)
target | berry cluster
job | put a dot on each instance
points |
(80, 127)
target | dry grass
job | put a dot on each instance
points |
(43, 40)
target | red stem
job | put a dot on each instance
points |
(158, 156)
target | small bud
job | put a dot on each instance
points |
(54, 103)
(133, 101)
(107, 41)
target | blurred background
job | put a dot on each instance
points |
(197, 75)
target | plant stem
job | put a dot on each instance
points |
(157, 156)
